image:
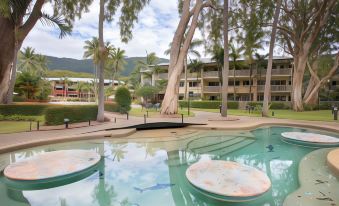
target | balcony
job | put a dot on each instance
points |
(277, 72)
(276, 88)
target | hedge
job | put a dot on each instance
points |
(24, 109)
(208, 104)
(56, 115)
(111, 107)
(123, 99)
(273, 105)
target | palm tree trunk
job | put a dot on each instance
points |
(267, 95)
(101, 117)
(234, 92)
(225, 70)
(250, 91)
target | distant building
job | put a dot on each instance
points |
(75, 87)
(245, 84)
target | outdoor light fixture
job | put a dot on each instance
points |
(66, 121)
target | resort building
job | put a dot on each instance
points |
(246, 82)
(75, 87)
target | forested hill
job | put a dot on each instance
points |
(86, 65)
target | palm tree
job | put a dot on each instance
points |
(218, 57)
(31, 62)
(196, 66)
(117, 60)
(28, 84)
(235, 55)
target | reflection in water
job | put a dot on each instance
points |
(153, 173)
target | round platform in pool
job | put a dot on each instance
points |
(229, 181)
(311, 138)
(52, 164)
(333, 161)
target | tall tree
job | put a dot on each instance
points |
(17, 18)
(129, 14)
(300, 28)
(225, 71)
(117, 62)
(267, 92)
(179, 49)
(195, 43)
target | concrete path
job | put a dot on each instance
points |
(14, 141)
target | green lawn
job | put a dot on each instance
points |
(138, 112)
(322, 115)
(15, 126)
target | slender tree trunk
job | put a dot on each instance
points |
(101, 99)
(225, 70)
(185, 95)
(298, 76)
(234, 91)
(250, 80)
(267, 91)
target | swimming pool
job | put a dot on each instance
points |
(146, 171)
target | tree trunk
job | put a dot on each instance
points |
(101, 99)
(7, 45)
(250, 90)
(185, 95)
(234, 91)
(178, 54)
(267, 91)
(298, 76)
(9, 98)
(225, 70)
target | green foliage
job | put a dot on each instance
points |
(208, 104)
(24, 109)
(123, 99)
(111, 107)
(32, 86)
(273, 105)
(17, 117)
(56, 115)
(147, 92)
(67, 73)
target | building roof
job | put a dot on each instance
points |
(87, 80)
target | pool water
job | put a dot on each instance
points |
(151, 171)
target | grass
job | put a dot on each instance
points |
(15, 126)
(321, 115)
(138, 112)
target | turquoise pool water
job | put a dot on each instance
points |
(151, 171)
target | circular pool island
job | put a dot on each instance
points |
(51, 165)
(227, 180)
(310, 139)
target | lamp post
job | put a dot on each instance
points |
(329, 88)
(190, 94)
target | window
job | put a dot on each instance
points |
(246, 83)
(71, 89)
(231, 83)
(213, 84)
(182, 84)
(59, 95)
(193, 84)
(261, 82)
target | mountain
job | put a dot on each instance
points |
(86, 65)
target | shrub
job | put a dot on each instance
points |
(24, 109)
(111, 107)
(123, 99)
(280, 105)
(208, 104)
(18, 118)
(56, 115)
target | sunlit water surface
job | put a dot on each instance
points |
(152, 172)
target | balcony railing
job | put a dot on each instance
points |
(276, 88)
(277, 71)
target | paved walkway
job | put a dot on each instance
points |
(15, 141)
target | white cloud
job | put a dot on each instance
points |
(153, 32)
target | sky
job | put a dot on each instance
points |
(152, 33)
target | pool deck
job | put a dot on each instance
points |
(15, 141)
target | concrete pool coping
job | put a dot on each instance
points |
(16, 141)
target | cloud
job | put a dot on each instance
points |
(152, 33)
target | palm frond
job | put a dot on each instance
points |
(49, 20)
